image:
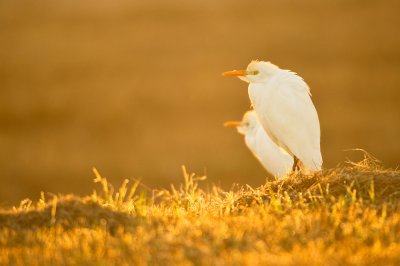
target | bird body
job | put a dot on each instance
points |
(276, 161)
(284, 108)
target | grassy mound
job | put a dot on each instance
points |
(346, 215)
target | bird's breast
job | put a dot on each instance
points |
(259, 94)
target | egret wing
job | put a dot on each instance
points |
(290, 118)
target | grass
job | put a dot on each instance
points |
(349, 215)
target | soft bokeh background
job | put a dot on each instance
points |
(135, 87)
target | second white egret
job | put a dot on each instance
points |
(276, 161)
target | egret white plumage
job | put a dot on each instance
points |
(276, 161)
(282, 101)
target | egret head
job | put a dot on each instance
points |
(248, 124)
(256, 72)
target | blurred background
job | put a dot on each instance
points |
(134, 88)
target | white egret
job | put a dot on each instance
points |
(282, 101)
(276, 161)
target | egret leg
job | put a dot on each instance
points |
(295, 163)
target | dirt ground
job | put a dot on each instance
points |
(135, 87)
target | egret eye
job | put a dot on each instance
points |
(253, 72)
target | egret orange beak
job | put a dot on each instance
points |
(235, 73)
(239, 73)
(232, 124)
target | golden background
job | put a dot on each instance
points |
(135, 87)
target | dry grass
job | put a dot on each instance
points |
(348, 215)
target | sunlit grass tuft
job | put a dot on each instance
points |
(348, 215)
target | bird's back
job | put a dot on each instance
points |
(275, 161)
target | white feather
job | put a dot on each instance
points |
(276, 161)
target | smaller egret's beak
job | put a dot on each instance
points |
(232, 124)
(239, 73)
